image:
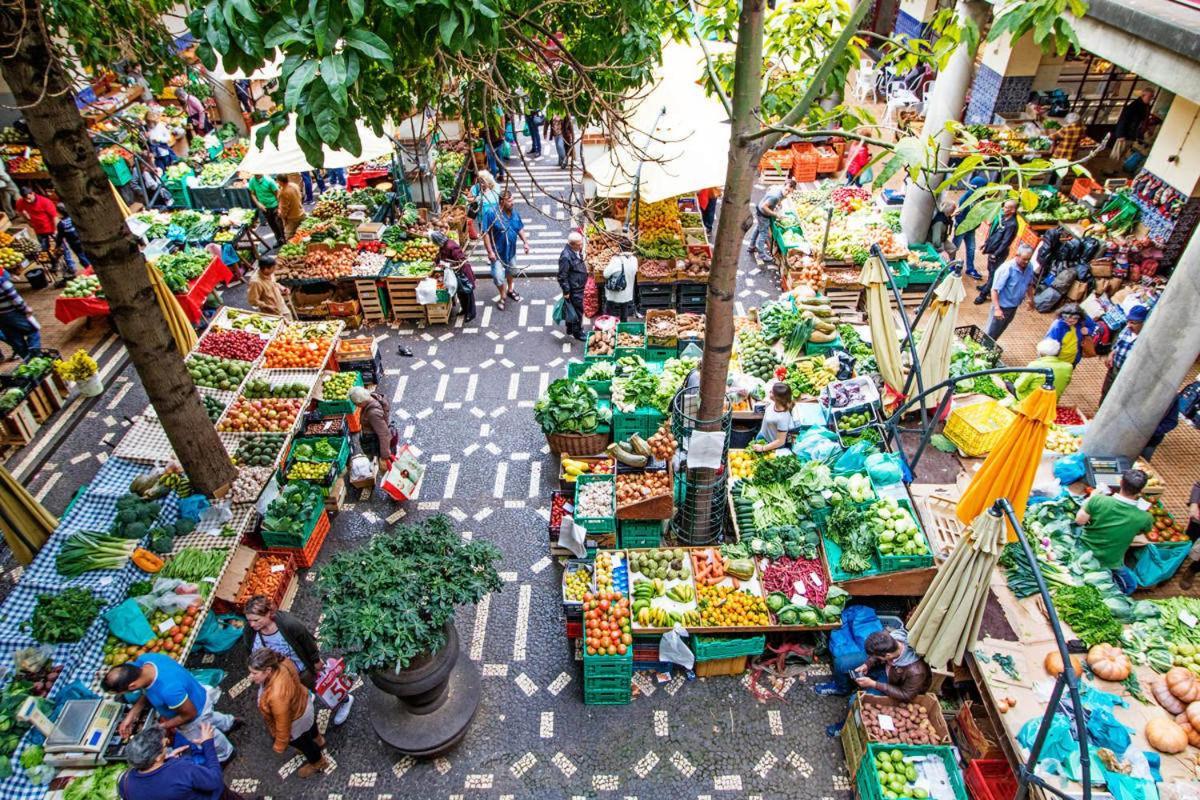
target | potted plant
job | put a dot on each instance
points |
(389, 609)
(82, 369)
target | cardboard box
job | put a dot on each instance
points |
(239, 564)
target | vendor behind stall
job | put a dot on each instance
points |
(778, 421)
(1110, 523)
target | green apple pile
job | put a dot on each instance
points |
(898, 534)
(897, 777)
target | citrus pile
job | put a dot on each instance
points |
(727, 607)
(288, 353)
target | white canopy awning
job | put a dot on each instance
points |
(270, 69)
(678, 135)
(287, 157)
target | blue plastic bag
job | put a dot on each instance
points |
(1104, 730)
(815, 444)
(209, 676)
(1156, 563)
(218, 633)
(885, 468)
(192, 506)
(129, 624)
(854, 459)
(847, 644)
(1069, 469)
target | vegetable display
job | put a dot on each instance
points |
(86, 551)
(268, 577)
(910, 724)
(193, 565)
(63, 617)
(259, 450)
(1083, 608)
(595, 500)
(607, 624)
(569, 407)
(217, 373)
(294, 508)
(178, 269)
(232, 344)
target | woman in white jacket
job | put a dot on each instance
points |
(620, 277)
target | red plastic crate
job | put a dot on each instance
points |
(990, 780)
(307, 556)
(574, 629)
(1082, 187)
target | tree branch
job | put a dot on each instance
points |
(708, 63)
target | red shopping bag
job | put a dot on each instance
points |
(404, 477)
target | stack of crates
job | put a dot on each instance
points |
(725, 656)
(693, 298)
(655, 295)
(607, 680)
(645, 422)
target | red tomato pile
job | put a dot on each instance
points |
(374, 246)
(606, 616)
(1065, 415)
(232, 344)
(556, 510)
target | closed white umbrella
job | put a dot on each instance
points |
(881, 323)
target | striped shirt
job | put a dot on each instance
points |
(1121, 348)
(10, 299)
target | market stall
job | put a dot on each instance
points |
(82, 298)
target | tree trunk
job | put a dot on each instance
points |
(46, 97)
(735, 212)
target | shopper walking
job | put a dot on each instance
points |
(18, 326)
(182, 704)
(533, 124)
(620, 279)
(41, 213)
(66, 239)
(264, 292)
(264, 193)
(1129, 125)
(1074, 332)
(291, 209)
(572, 279)
(708, 199)
(768, 209)
(378, 438)
(555, 130)
(194, 109)
(451, 255)
(156, 771)
(1001, 235)
(287, 708)
(502, 227)
(483, 197)
(1013, 282)
(1126, 339)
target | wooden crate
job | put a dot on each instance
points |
(402, 297)
(721, 666)
(337, 494)
(439, 313)
(368, 299)
(43, 402)
(19, 425)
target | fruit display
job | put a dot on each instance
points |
(595, 500)
(213, 407)
(1065, 415)
(809, 376)
(897, 532)
(741, 464)
(606, 623)
(83, 286)
(415, 250)
(1059, 441)
(249, 321)
(217, 373)
(658, 221)
(239, 345)
(172, 632)
(755, 356)
(331, 204)
(910, 724)
(272, 414)
(287, 352)
(294, 508)
(728, 607)
(604, 572)
(322, 264)
(601, 343)
(338, 385)
(259, 450)
(660, 602)
(663, 444)
(1166, 528)
(600, 250)
(897, 777)
(9, 258)
(308, 471)
(25, 165)
(369, 263)
(638, 487)
(557, 508)
(577, 581)
(695, 268)
(848, 199)
(658, 264)
(572, 468)
(257, 388)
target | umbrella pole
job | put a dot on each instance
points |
(1025, 775)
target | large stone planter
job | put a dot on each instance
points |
(425, 710)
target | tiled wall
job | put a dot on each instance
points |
(993, 93)
(908, 25)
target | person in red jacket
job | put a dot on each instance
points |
(41, 213)
(860, 156)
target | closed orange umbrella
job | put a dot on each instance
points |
(1009, 469)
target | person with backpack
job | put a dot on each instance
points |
(451, 255)
(620, 277)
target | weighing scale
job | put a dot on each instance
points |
(84, 735)
(1106, 470)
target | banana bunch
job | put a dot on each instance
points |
(648, 590)
(682, 593)
(650, 617)
(176, 481)
(813, 375)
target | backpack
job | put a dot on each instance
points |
(616, 282)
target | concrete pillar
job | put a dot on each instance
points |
(227, 104)
(1004, 79)
(1149, 382)
(913, 16)
(945, 103)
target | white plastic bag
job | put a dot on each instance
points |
(427, 291)
(362, 468)
(672, 648)
(450, 280)
(571, 536)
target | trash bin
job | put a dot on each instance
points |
(37, 278)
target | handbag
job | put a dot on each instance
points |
(474, 206)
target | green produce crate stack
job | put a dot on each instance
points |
(117, 172)
(919, 275)
(889, 562)
(636, 533)
(597, 524)
(661, 354)
(577, 368)
(638, 328)
(330, 407)
(711, 648)
(869, 787)
(645, 422)
(607, 680)
(295, 539)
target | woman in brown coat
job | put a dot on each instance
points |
(287, 708)
(376, 437)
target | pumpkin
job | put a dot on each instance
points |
(1193, 714)
(1109, 663)
(1192, 734)
(1170, 703)
(1166, 736)
(1183, 684)
(1054, 664)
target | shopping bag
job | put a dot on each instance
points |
(672, 648)
(333, 684)
(571, 536)
(219, 632)
(1156, 563)
(570, 313)
(405, 475)
(450, 280)
(362, 471)
(129, 624)
(558, 310)
(427, 291)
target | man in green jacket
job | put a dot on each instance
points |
(1110, 523)
(265, 193)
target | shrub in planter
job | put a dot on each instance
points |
(389, 608)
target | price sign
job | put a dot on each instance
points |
(886, 724)
(166, 625)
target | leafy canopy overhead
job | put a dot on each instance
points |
(375, 60)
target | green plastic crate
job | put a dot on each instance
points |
(340, 443)
(294, 538)
(607, 697)
(636, 533)
(833, 555)
(587, 346)
(117, 172)
(897, 563)
(917, 275)
(660, 354)
(331, 407)
(710, 648)
(577, 368)
(607, 666)
(597, 524)
(868, 783)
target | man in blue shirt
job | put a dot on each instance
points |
(1010, 285)
(502, 227)
(182, 704)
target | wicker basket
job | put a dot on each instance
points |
(577, 444)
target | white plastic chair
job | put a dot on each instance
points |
(898, 97)
(864, 83)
